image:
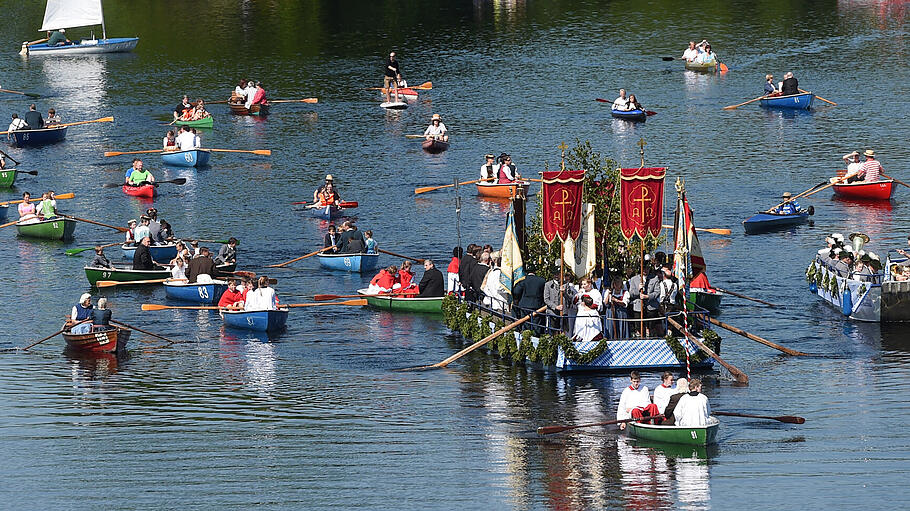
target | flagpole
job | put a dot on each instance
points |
(457, 213)
(643, 285)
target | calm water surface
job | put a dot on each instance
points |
(316, 418)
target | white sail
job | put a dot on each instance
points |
(580, 256)
(71, 13)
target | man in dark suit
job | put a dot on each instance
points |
(331, 239)
(201, 265)
(465, 267)
(33, 118)
(790, 85)
(351, 239)
(432, 284)
(479, 273)
(528, 294)
(142, 257)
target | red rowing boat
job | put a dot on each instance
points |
(112, 340)
(140, 191)
(876, 190)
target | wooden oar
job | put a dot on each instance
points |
(898, 181)
(731, 107)
(304, 100)
(477, 344)
(416, 260)
(549, 430)
(668, 59)
(74, 251)
(158, 307)
(423, 86)
(819, 97)
(118, 153)
(734, 293)
(415, 136)
(756, 338)
(311, 254)
(178, 181)
(112, 283)
(103, 119)
(16, 162)
(347, 302)
(791, 419)
(806, 193)
(322, 298)
(425, 189)
(59, 196)
(740, 376)
(55, 334)
(14, 222)
(263, 152)
(724, 232)
(31, 172)
(146, 332)
(29, 94)
(121, 229)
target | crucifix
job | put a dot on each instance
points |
(562, 147)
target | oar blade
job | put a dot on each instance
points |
(75, 251)
(310, 100)
(550, 430)
(153, 307)
(263, 152)
(106, 283)
(792, 419)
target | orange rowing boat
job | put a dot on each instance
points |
(502, 191)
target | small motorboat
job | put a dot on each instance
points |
(764, 221)
(148, 190)
(630, 115)
(861, 190)
(435, 146)
(801, 101)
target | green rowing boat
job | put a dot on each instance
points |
(124, 274)
(7, 177)
(402, 304)
(54, 229)
(205, 122)
(686, 435)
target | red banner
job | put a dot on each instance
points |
(563, 193)
(641, 201)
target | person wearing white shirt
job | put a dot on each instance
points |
(494, 295)
(854, 166)
(693, 408)
(621, 103)
(178, 271)
(489, 170)
(691, 52)
(436, 130)
(635, 401)
(664, 391)
(262, 298)
(586, 288)
(587, 321)
(17, 124)
(669, 289)
(186, 140)
(249, 93)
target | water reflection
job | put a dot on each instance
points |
(78, 82)
(86, 367)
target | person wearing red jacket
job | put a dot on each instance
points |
(405, 276)
(452, 283)
(384, 281)
(231, 296)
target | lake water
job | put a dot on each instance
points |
(317, 419)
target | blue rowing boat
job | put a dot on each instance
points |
(191, 158)
(32, 138)
(4, 212)
(630, 115)
(259, 321)
(328, 212)
(349, 262)
(791, 102)
(764, 222)
(160, 253)
(197, 293)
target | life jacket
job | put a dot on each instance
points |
(325, 199)
(83, 312)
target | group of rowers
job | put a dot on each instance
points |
(136, 175)
(699, 53)
(624, 104)
(185, 139)
(248, 93)
(683, 405)
(187, 111)
(349, 240)
(400, 282)
(34, 120)
(46, 209)
(503, 172)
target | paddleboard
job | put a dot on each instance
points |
(394, 105)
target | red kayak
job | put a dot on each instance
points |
(147, 191)
(877, 190)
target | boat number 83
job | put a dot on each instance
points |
(203, 292)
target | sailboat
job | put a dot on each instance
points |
(689, 259)
(63, 14)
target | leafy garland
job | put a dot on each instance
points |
(711, 340)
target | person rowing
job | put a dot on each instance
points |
(788, 207)
(436, 130)
(621, 103)
(47, 208)
(770, 88)
(169, 143)
(329, 180)
(182, 108)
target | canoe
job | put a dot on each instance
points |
(196, 293)
(404, 304)
(434, 146)
(394, 105)
(327, 212)
(4, 213)
(878, 190)
(161, 253)
(7, 178)
(349, 262)
(259, 321)
(191, 158)
(112, 340)
(205, 122)
(501, 191)
(54, 229)
(702, 66)
(44, 136)
(256, 110)
(147, 191)
(127, 274)
(630, 115)
(763, 222)
(688, 435)
(792, 102)
(708, 299)
(86, 46)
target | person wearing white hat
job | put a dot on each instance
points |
(872, 169)
(329, 180)
(436, 130)
(488, 169)
(81, 311)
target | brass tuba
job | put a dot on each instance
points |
(858, 239)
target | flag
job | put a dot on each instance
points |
(562, 200)
(580, 256)
(511, 266)
(688, 260)
(641, 205)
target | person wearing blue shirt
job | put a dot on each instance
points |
(789, 207)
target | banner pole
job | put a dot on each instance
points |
(644, 286)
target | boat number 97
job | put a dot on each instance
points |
(105, 274)
(188, 157)
(203, 292)
(694, 435)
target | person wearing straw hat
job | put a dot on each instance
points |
(871, 169)
(329, 180)
(789, 206)
(436, 130)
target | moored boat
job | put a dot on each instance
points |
(63, 14)
(327, 212)
(206, 122)
(349, 262)
(802, 101)
(705, 298)
(764, 221)
(127, 274)
(877, 297)
(254, 110)
(206, 293)
(43, 136)
(111, 340)
(501, 190)
(7, 178)
(403, 303)
(58, 228)
(630, 115)
(148, 190)
(160, 253)
(394, 105)
(688, 435)
(190, 158)
(435, 146)
(259, 321)
(876, 190)
(709, 67)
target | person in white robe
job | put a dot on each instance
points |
(693, 408)
(664, 391)
(635, 401)
(588, 325)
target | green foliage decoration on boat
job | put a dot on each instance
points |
(710, 338)
(810, 272)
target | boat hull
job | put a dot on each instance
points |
(704, 299)
(147, 191)
(191, 158)
(4, 213)
(871, 298)
(53, 229)
(791, 102)
(254, 110)
(33, 138)
(327, 213)
(86, 46)
(765, 222)
(878, 190)
(629, 115)
(349, 262)
(685, 435)
(402, 304)
(704, 67)
(123, 274)
(7, 178)
(196, 293)
(160, 253)
(205, 122)
(433, 146)
(103, 341)
(501, 191)
(258, 321)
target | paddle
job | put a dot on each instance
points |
(311, 254)
(731, 107)
(55, 334)
(263, 152)
(347, 302)
(30, 172)
(74, 251)
(723, 232)
(118, 153)
(158, 307)
(146, 332)
(549, 430)
(896, 180)
(16, 162)
(756, 338)
(416, 260)
(668, 59)
(740, 376)
(112, 283)
(819, 97)
(304, 100)
(121, 229)
(734, 293)
(782, 418)
(102, 119)
(723, 67)
(322, 298)
(342, 204)
(178, 181)
(477, 344)
(59, 196)
(29, 94)
(14, 222)
(423, 86)
(805, 193)
(425, 189)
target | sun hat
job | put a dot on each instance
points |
(436, 117)
(328, 177)
(787, 195)
(84, 297)
(869, 152)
